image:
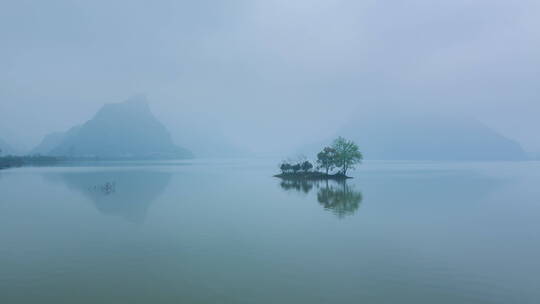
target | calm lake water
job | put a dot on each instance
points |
(229, 232)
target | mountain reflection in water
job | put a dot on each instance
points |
(125, 193)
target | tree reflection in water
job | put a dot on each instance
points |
(304, 186)
(336, 196)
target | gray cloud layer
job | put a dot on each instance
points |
(287, 70)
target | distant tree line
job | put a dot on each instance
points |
(342, 155)
(30, 160)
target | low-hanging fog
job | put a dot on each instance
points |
(269, 76)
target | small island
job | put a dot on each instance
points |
(342, 155)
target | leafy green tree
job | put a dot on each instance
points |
(306, 166)
(325, 159)
(347, 154)
(285, 167)
(296, 167)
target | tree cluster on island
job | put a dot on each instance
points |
(342, 155)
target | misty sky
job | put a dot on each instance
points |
(261, 70)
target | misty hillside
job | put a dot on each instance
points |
(5, 148)
(117, 130)
(210, 144)
(205, 138)
(53, 140)
(428, 137)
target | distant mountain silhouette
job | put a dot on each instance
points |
(117, 130)
(421, 136)
(53, 140)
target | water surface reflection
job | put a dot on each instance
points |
(125, 193)
(336, 196)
